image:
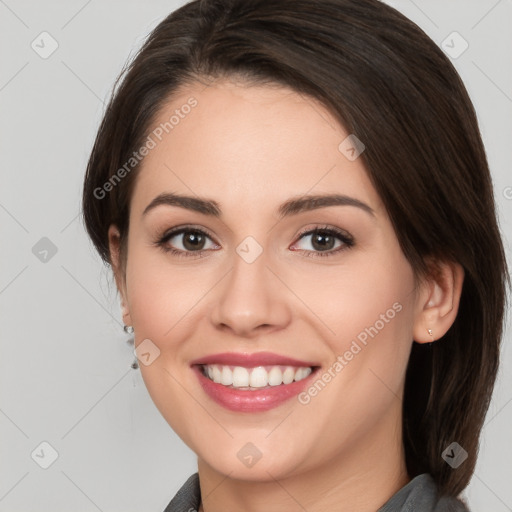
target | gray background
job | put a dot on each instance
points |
(65, 366)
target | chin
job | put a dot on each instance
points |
(247, 462)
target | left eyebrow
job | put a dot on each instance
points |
(290, 207)
(313, 202)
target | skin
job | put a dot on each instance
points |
(250, 148)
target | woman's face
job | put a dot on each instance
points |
(258, 280)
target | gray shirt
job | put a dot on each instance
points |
(419, 495)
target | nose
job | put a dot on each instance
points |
(251, 299)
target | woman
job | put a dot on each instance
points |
(333, 343)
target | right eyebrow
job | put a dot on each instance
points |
(204, 206)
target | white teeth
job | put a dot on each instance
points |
(302, 373)
(259, 377)
(288, 375)
(226, 376)
(240, 377)
(217, 375)
(275, 376)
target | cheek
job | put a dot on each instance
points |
(160, 300)
(368, 311)
(359, 300)
(160, 295)
(371, 314)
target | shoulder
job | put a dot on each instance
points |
(187, 498)
(421, 495)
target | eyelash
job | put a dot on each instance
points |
(348, 241)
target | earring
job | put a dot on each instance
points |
(129, 330)
(431, 335)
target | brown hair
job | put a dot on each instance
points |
(388, 83)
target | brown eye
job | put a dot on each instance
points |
(186, 240)
(323, 241)
(193, 240)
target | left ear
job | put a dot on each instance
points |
(438, 301)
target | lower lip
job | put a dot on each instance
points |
(241, 400)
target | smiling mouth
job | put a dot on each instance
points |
(256, 378)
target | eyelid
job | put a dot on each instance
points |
(325, 227)
(346, 238)
(176, 230)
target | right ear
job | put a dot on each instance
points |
(114, 243)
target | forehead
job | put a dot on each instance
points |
(248, 144)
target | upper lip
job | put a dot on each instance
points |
(251, 360)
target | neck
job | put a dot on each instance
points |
(361, 478)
